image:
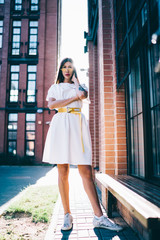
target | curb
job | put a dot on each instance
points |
(5, 206)
(53, 224)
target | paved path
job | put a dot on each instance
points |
(14, 179)
(83, 215)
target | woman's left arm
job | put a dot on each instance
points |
(81, 92)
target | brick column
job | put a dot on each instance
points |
(120, 119)
(114, 102)
(96, 111)
(92, 97)
(109, 113)
(21, 135)
(4, 74)
(46, 69)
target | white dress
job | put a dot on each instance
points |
(63, 142)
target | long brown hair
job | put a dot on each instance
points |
(60, 77)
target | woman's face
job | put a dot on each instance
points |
(67, 70)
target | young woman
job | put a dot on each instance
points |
(68, 142)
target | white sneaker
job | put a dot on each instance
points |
(68, 220)
(105, 222)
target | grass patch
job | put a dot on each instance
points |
(2, 237)
(37, 202)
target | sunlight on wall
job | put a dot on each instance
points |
(74, 23)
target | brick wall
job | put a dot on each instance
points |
(94, 108)
(107, 109)
(46, 71)
(4, 11)
(46, 68)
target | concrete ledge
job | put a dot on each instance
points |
(143, 210)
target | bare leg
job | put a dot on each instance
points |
(63, 172)
(86, 174)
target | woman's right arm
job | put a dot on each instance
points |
(53, 103)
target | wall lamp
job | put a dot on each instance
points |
(40, 110)
(155, 37)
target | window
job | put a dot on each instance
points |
(14, 82)
(153, 3)
(34, 5)
(18, 5)
(30, 134)
(136, 120)
(0, 71)
(31, 83)
(16, 38)
(1, 1)
(121, 27)
(144, 15)
(92, 24)
(1, 32)
(138, 25)
(12, 133)
(131, 4)
(138, 64)
(33, 38)
(133, 34)
(155, 107)
(122, 61)
(118, 6)
(122, 42)
(131, 19)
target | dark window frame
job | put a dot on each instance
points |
(137, 112)
(31, 4)
(1, 33)
(30, 42)
(31, 72)
(10, 83)
(93, 22)
(145, 16)
(27, 131)
(12, 43)
(18, 4)
(154, 106)
(13, 140)
(129, 26)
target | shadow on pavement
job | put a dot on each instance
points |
(13, 179)
(66, 234)
(104, 234)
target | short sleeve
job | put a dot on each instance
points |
(51, 92)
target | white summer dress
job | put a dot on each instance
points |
(63, 143)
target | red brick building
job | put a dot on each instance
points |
(29, 32)
(124, 115)
(124, 82)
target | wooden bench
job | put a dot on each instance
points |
(142, 201)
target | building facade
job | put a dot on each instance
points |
(124, 72)
(29, 33)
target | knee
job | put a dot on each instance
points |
(86, 173)
(63, 173)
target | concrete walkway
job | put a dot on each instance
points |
(14, 179)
